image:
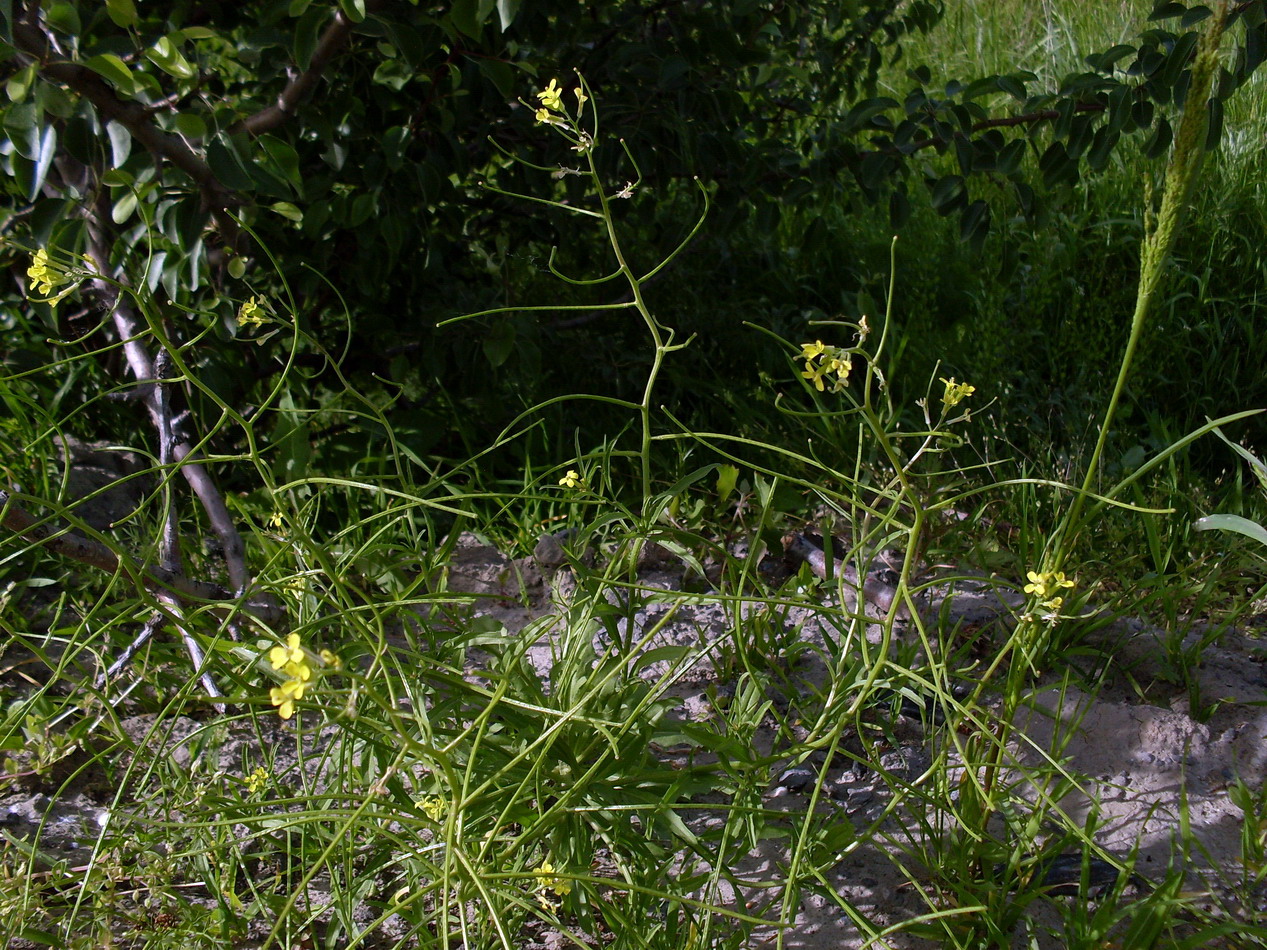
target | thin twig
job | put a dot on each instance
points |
(96, 554)
(131, 327)
(335, 37)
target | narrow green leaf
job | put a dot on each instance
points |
(19, 84)
(190, 126)
(169, 59)
(123, 13)
(307, 31)
(228, 167)
(120, 143)
(123, 208)
(668, 654)
(1232, 523)
(1159, 141)
(1214, 125)
(43, 161)
(284, 158)
(112, 69)
(20, 125)
(1167, 11)
(1257, 466)
(354, 10)
(507, 10)
(288, 211)
(948, 194)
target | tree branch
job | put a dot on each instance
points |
(332, 41)
(157, 578)
(37, 46)
(1047, 115)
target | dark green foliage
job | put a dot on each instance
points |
(350, 140)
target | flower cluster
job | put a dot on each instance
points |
(1046, 588)
(552, 102)
(47, 275)
(548, 880)
(295, 663)
(823, 362)
(434, 806)
(955, 392)
(257, 780)
(252, 313)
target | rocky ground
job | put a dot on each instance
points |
(1138, 754)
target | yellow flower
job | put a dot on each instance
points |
(572, 480)
(295, 663)
(955, 392)
(1043, 586)
(840, 365)
(435, 807)
(813, 350)
(581, 98)
(45, 274)
(284, 696)
(291, 653)
(257, 780)
(251, 313)
(550, 96)
(543, 115)
(815, 375)
(549, 881)
(822, 360)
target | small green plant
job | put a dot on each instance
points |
(578, 124)
(1036, 636)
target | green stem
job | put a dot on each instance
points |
(657, 336)
(1159, 239)
(1160, 232)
